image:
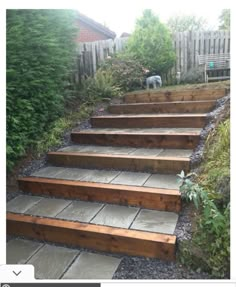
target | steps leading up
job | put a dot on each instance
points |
(116, 189)
(146, 197)
(148, 138)
(163, 107)
(150, 121)
(148, 96)
(156, 164)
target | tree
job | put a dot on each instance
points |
(224, 19)
(181, 23)
(40, 50)
(151, 44)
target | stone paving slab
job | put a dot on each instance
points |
(98, 149)
(73, 173)
(131, 178)
(116, 216)
(92, 266)
(104, 176)
(147, 152)
(168, 181)
(176, 152)
(22, 203)
(82, 211)
(49, 172)
(155, 221)
(145, 130)
(48, 207)
(20, 250)
(51, 262)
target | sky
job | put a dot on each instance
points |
(120, 16)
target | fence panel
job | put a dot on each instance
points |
(187, 46)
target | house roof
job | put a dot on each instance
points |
(97, 26)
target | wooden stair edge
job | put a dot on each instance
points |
(122, 162)
(99, 237)
(146, 197)
(148, 140)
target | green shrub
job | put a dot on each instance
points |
(193, 76)
(40, 52)
(209, 248)
(151, 44)
(126, 72)
(102, 86)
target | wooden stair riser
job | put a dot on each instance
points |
(147, 140)
(133, 163)
(170, 121)
(146, 197)
(102, 238)
(176, 107)
(173, 96)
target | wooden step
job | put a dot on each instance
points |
(150, 121)
(155, 164)
(98, 237)
(165, 107)
(147, 96)
(146, 197)
(188, 140)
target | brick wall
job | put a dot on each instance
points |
(87, 34)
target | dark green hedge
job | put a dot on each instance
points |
(40, 52)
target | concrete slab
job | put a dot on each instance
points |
(147, 152)
(168, 181)
(73, 173)
(21, 203)
(82, 211)
(155, 221)
(51, 262)
(116, 216)
(49, 172)
(146, 130)
(72, 148)
(131, 178)
(176, 152)
(92, 266)
(48, 207)
(19, 251)
(104, 176)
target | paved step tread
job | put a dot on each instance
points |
(146, 197)
(103, 238)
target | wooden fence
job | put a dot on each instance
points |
(187, 46)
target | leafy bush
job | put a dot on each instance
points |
(102, 86)
(40, 51)
(151, 44)
(193, 76)
(126, 72)
(211, 238)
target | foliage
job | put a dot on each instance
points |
(53, 137)
(181, 23)
(215, 172)
(211, 238)
(224, 19)
(151, 44)
(128, 72)
(102, 86)
(40, 51)
(193, 76)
